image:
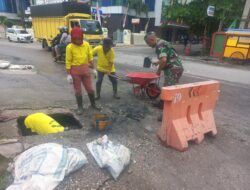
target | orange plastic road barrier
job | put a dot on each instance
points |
(188, 113)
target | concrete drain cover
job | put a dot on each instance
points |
(6, 67)
(67, 120)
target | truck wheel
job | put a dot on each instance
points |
(9, 39)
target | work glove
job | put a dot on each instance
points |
(155, 63)
(69, 79)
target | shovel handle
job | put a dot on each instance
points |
(118, 77)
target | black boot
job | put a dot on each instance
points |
(159, 104)
(92, 101)
(98, 91)
(115, 92)
(159, 118)
(79, 105)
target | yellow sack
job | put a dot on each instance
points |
(42, 124)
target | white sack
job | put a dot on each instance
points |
(114, 157)
(44, 166)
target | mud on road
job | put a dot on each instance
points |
(216, 163)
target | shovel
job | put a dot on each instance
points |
(122, 78)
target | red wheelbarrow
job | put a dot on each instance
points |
(145, 82)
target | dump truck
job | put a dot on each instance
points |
(48, 18)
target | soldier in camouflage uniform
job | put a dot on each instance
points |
(168, 60)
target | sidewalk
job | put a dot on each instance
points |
(199, 66)
(196, 56)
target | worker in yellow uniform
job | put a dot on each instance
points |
(105, 65)
(42, 124)
(79, 60)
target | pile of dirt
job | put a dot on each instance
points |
(124, 112)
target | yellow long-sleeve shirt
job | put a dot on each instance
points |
(104, 61)
(78, 55)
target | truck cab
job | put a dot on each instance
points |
(91, 29)
(46, 19)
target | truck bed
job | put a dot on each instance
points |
(59, 9)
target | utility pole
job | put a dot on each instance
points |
(20, 5)
(245, 16)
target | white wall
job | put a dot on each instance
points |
(245, 13)
(10, 15)
(139, 38)
(40, 2)
(123, 10)
(158, 10)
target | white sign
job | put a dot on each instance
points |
(135, 20)
(83, 1)
(94, 11)
(27, 11)
(42, 2)
(210, 10)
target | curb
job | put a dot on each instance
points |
(214, 61)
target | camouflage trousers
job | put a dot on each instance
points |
(172, 75)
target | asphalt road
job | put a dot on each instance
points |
(217, 163)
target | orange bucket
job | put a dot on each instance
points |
(101, 122)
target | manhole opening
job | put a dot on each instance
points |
(67, 120)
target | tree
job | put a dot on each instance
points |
(139, 6)
(8, 23)
(5, 22)
(20, 13)
(195, 14)
(2, 19)
(227, 11)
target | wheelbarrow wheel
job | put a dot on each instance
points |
(153, 90)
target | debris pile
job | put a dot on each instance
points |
(128, 111)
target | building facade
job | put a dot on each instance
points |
(117, 15)
(8, 9)
(13, 9)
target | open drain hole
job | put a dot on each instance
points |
(67, 120)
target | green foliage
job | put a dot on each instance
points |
(176, 11)
(195, 14)
(8, 23)
(227, 11)
(2, 19)
(138, 6)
